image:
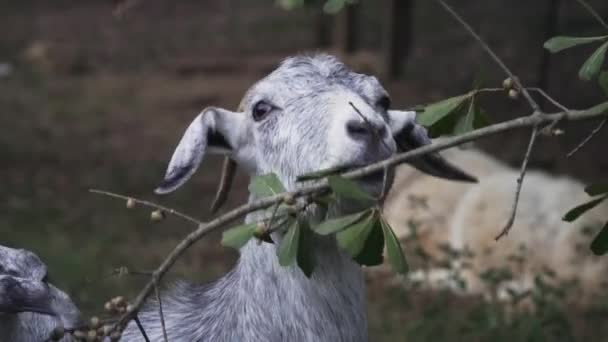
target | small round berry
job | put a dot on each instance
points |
(106, 329)
(507, 83)
(157, 215)
(513, 94)
(130, 203)
(94, 322)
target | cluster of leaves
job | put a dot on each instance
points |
(455, 115)
(329, 6)
(590, 70)
(599, 191)
(593, 66)
(363, 235)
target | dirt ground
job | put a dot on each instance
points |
(93, 101)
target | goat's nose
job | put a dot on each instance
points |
(365, 130)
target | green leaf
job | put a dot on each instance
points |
(593, 65)
(238, 236)
(372, 252)
(466, 123)
(305, 258)
(353, 239)
(288, 248)
(266, 185)
(574, 213)
(560, 43)
(599, 245)
(603, 81)
(347, 188)
(597, 189)
(436, 111)
(395, 254)
(338, 224)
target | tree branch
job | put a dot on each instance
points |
(593, 13)
(538, 120)
(493, 55)
(586, 140)
(520, 181)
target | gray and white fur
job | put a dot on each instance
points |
(298, 119)
(30, 307)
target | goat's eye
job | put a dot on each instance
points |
(384, 102)
(260, 110)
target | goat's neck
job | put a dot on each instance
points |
(329, 306)
(259, 300)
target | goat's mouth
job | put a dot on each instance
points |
(371, 180)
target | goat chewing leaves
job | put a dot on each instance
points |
(338, 224)
(393, 248)
(238, 236)
(266, 185)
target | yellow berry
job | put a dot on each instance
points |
(157, 215)
(513, 94)
(507, 83)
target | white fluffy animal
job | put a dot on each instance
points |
(469, 216)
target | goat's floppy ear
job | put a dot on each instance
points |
(409, 135)
(215, 129)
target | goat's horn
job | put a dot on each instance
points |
(228, 171)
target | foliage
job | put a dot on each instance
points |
(364, 234)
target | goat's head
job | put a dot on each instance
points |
(311, 113)
(24, 287)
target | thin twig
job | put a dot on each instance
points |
(549, 98)
(486, 47)
(379, 139)
(586, 140)
(538, 120)
(520, 181)
(593, 13)
(149, 204)
(141, 328)
(160, 312)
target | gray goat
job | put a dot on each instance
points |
(311, 113)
